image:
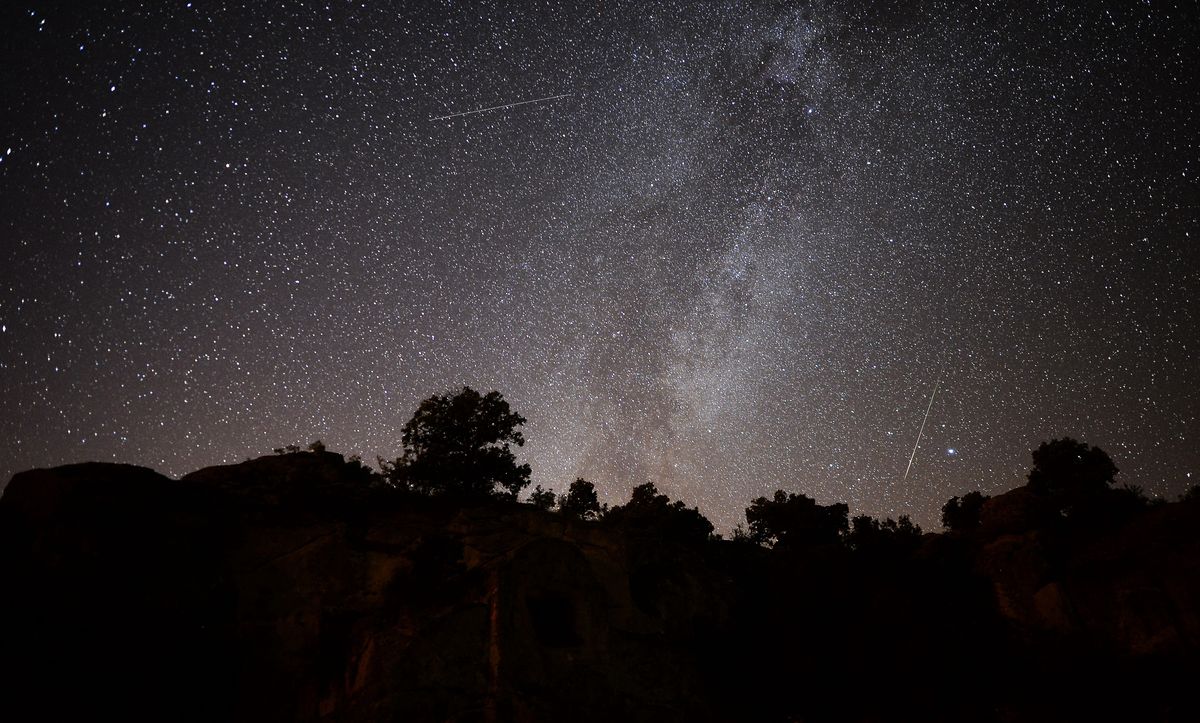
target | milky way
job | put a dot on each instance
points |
(735, 258)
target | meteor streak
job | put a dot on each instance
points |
(913, 456)
(499, 107)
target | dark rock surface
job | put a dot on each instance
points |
(285, 588)
(280, 589)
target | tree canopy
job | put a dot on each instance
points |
(542, 498)
(795, 520)
(1075, 478)
(870, 535)
(461, 444)
(962, 514)
(580, 501)
(650, 511)
(1067, 466)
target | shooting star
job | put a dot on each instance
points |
(920, 433)
(500, 107)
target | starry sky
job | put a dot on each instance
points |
(737, 256)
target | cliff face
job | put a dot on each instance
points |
(1131, 588)
(283, 588)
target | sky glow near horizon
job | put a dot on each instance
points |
(736, 257)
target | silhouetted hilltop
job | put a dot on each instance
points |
(296, 587)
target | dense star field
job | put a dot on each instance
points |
(736, 257)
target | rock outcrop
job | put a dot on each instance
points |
(1133, 587)
(284, 589)
(287, 588)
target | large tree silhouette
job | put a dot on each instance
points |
(1071, 467)
(1071, 475)
(461, 444)
(960, 514)
(870, 535)
(543, 499)
(650, 512)
(789, 520)
(580, 501)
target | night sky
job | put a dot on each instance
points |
(737, 256)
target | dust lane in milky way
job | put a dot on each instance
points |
(732, 255)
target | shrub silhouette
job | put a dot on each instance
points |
(580, 501)
(795, 520)
(461, 445)
(962, 514)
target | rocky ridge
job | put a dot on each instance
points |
(286, 588)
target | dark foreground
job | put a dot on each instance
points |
(286, 589)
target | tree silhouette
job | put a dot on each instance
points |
(460, 444)
(868, 534)
(581, 501)
(795, 520)
(1072, 475)
(962, 514)
(648, 511)
(542, 499)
